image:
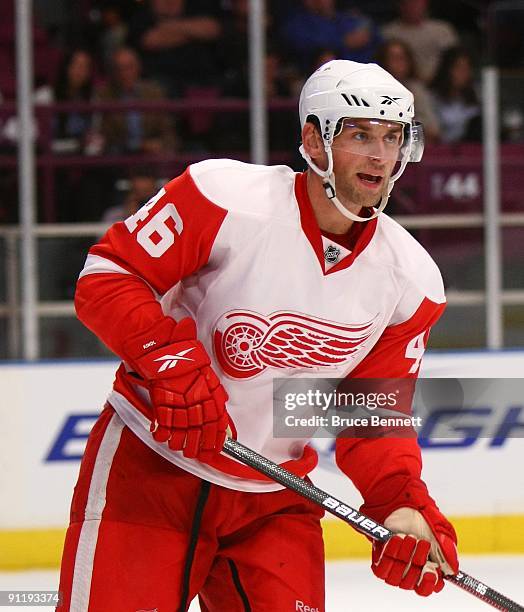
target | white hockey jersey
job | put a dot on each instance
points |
(237, 247)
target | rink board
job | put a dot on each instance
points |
(49, 408)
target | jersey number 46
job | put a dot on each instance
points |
(155, 237)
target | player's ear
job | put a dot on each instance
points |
(312, 141)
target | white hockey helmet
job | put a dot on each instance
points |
(343, 89)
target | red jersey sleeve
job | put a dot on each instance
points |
(143, 257)
(400, 349)
(387, 470)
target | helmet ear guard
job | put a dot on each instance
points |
(417, 142)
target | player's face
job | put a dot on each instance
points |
(365, 153)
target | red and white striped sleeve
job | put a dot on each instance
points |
(140, 259)
(387, 470)
(399, 351)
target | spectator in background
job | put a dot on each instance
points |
(74, 84)
(133, 131)
(114, 32)
(396, 57)
(233, 51)
(232, 130)
(178, 42)
(142, 186)
(426, 37)
(276, 80)
(317, 25)
(454, 97)
(46, 56)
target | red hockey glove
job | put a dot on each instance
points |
(189, 403)
(423, 551)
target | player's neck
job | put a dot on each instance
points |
(329, 219)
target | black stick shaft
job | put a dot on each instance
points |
(356, 519)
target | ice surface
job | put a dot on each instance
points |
(351, 587)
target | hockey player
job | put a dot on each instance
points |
(231, 275)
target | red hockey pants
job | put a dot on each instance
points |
(147, 536)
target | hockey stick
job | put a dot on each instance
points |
(357, 520)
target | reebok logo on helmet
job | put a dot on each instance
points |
(389, 100)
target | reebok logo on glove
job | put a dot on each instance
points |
(188, 402)
(170, 361)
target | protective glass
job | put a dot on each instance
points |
(387, 140)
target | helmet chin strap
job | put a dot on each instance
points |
(328, 182)
(329, 187)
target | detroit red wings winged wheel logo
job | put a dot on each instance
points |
(246, 343)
